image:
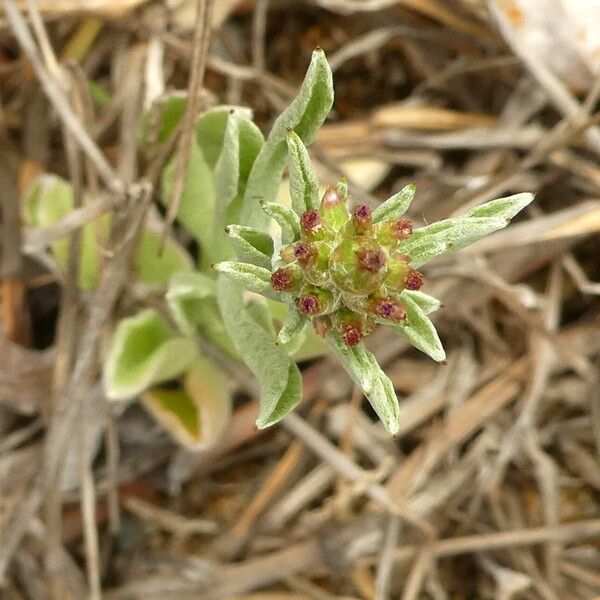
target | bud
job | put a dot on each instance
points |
(351, 325)
(316, 270)
(358, 266)
(314, 301)
(287, 279)
(304, 253)
(310, 223)
(398, 271)
(414, 279)
(389, 233)
(333, 210)
(322, 325)
(351, 335)
(387, 308)
(361, 220)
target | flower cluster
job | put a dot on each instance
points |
(346, 271)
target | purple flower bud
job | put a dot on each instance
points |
(351, 335)
(322, 326)
(308, 304)
(285, 279)
(361, 219)
(401, 229)
(304, 253)
(414, 280)
(388, 309)
(371, 260)
(310, 221)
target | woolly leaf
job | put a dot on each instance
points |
(196, 415)
(420, 331)
(191, 298)
(286, 218)
(292, 326)
(395, 206)
(143, 352)
(304, 186)
(364, 370)
(250, 245)
(278, 376)
(456, 233)
(253, 278)
(426, 303)
(304, 115)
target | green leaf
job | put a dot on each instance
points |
(395, 206)
(420, 331)
(157, 258)
(304, 115)
(278, 376)
(427, 304)
(144, 351)
(250, 245)
(197, 415)
(253, 278)
(161, 119)
(364, 370)
(242, 142)
(49, 200)
(196, 211)
(286, 218)
(453, 234)
(192, 301)
(292, 326)
(304, 185)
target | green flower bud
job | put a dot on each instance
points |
(398, 270)
(333, 210)
(316, 270)
(314, 301)
(353, 327)
(287, 279)
(361, 222)
(322, 325)
(389, 233)
(358, 266)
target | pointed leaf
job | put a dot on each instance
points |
(278, 376)
(456, 233)
(420, 331)
(304, 185)
(143, 352)
(253, 278)
(286, 218)
(395, 206)
(427, 303)
(304, 115)
(192, 301)
(364, 370)
(196, 415)
(292, 326)
(250, 245)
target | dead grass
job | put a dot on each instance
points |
(492, 487)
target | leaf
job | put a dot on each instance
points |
(395, 206)
(426, 303)
(158, 258)
(304, 185)
(253, 278)
(420, 331)
(197, 415)
(161, 119)
(196, 211)
(304, 115)
(191, 298)
(286, 218)
(143, 352)
(250, 245)
(292, 326)
(364, 370)
(242, 142)
(453, 234)
(49, 200)
(278, 376)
